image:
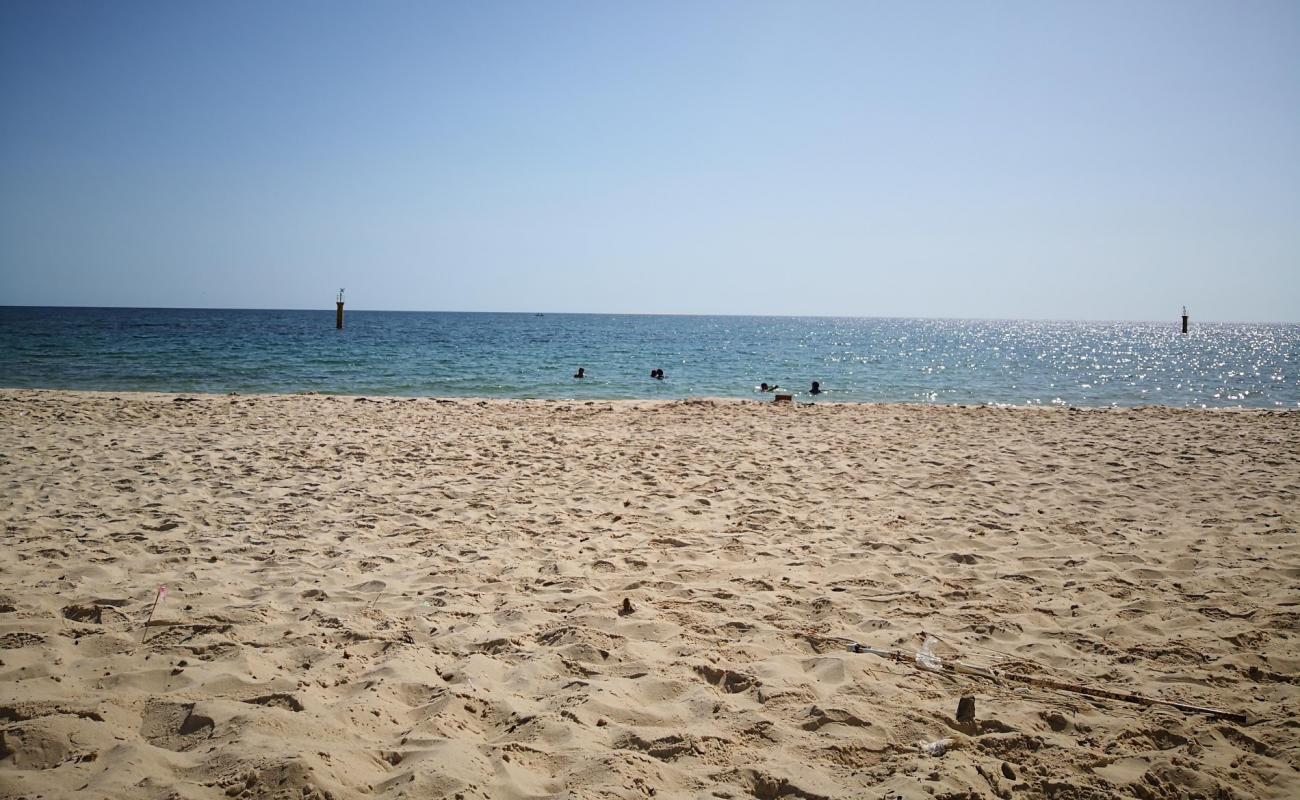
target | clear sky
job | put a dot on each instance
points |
(1073, 160)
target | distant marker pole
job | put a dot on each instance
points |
(338, 316)
(1184, 318)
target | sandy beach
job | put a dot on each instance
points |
(420, 598)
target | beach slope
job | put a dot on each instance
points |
(389, 598)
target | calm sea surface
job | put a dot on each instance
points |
(534, 356)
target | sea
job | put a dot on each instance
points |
(498, 355)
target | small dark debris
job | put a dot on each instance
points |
(966, 709)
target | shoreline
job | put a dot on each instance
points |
(739, 401)
(378, 597)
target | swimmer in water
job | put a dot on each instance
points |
(763, 387)
(816, 388)
(582, 373)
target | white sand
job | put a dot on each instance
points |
(392, 598)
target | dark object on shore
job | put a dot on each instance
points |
(786, 399)
(816, 388)
(966, 710)
(581, 373)
(657, 374)
(627, 608)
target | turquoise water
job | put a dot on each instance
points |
(534, 356)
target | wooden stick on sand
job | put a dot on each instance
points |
(162, 592)
(925, 660)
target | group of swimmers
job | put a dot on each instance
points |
(655, 373)
(816, 388)
(658, 375)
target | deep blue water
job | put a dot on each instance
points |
(534, 356)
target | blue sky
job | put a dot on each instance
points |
(1082, 160)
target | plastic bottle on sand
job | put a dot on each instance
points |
(936, 748)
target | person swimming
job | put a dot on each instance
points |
(763, 387)
(657, 374)
(816, 388)
(582, 372)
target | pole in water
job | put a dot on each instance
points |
(338, 317)
(1184, 319)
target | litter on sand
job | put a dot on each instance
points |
(926, 659)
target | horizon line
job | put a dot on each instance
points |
(324, 310)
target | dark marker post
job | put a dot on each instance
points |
(1184, 319)
(338, 316)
